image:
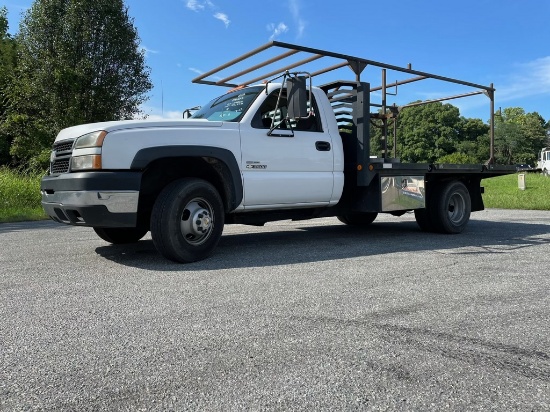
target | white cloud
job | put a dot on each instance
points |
(155, 113)
(295, 9)
(276, 30)
(148, 51)
(201, 5)
(196, 70)
(223, 17)
(529, 79)
(523, 82)
(194, 5)
(200, 72)
(171, 115)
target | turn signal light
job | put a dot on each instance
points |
(86, 162)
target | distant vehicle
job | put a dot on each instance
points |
(524, 168)
(543, 161)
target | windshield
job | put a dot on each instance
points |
(230, 107)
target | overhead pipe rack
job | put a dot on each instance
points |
(357, 65)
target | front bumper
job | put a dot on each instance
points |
(98, 199)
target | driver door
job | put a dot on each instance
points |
(283, 171)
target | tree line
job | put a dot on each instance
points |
(80, 61)
(71, 62)
(437, 133)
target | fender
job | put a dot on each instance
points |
(145, 156)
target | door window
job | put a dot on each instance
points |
(267, 114)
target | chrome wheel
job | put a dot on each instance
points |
(457, 208)
(197, 221)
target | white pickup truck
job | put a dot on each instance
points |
(276, 150)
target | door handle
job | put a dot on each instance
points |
(322, 146)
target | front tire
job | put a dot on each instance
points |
(120, 235)
(187, 220)
(358, 219)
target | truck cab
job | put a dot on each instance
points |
(284, 163)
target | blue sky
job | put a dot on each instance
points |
(505, 42)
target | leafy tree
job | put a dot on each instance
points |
(518, 136)
(471, 129)
(376, 137)
(458, 158)
(434, 133)
(473, 142)
(7, 66)
(79, 61)
(507, 138)
(428, 132)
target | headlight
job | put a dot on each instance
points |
(94, 139)
(86, 162)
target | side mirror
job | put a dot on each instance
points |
(187, 113)
(297, 97)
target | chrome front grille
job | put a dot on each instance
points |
(65, 146)
(59, 166)
(61, 157)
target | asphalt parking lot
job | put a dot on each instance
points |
(308, 315)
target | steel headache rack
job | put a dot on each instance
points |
(280, 54)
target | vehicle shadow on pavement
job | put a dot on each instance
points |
(285, 245)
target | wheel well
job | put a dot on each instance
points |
(472, 183)
(161, 172)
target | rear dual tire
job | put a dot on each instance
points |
(447, 210)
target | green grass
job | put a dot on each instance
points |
(502, 192)
(19, 196)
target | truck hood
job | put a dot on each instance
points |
(77, 131)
